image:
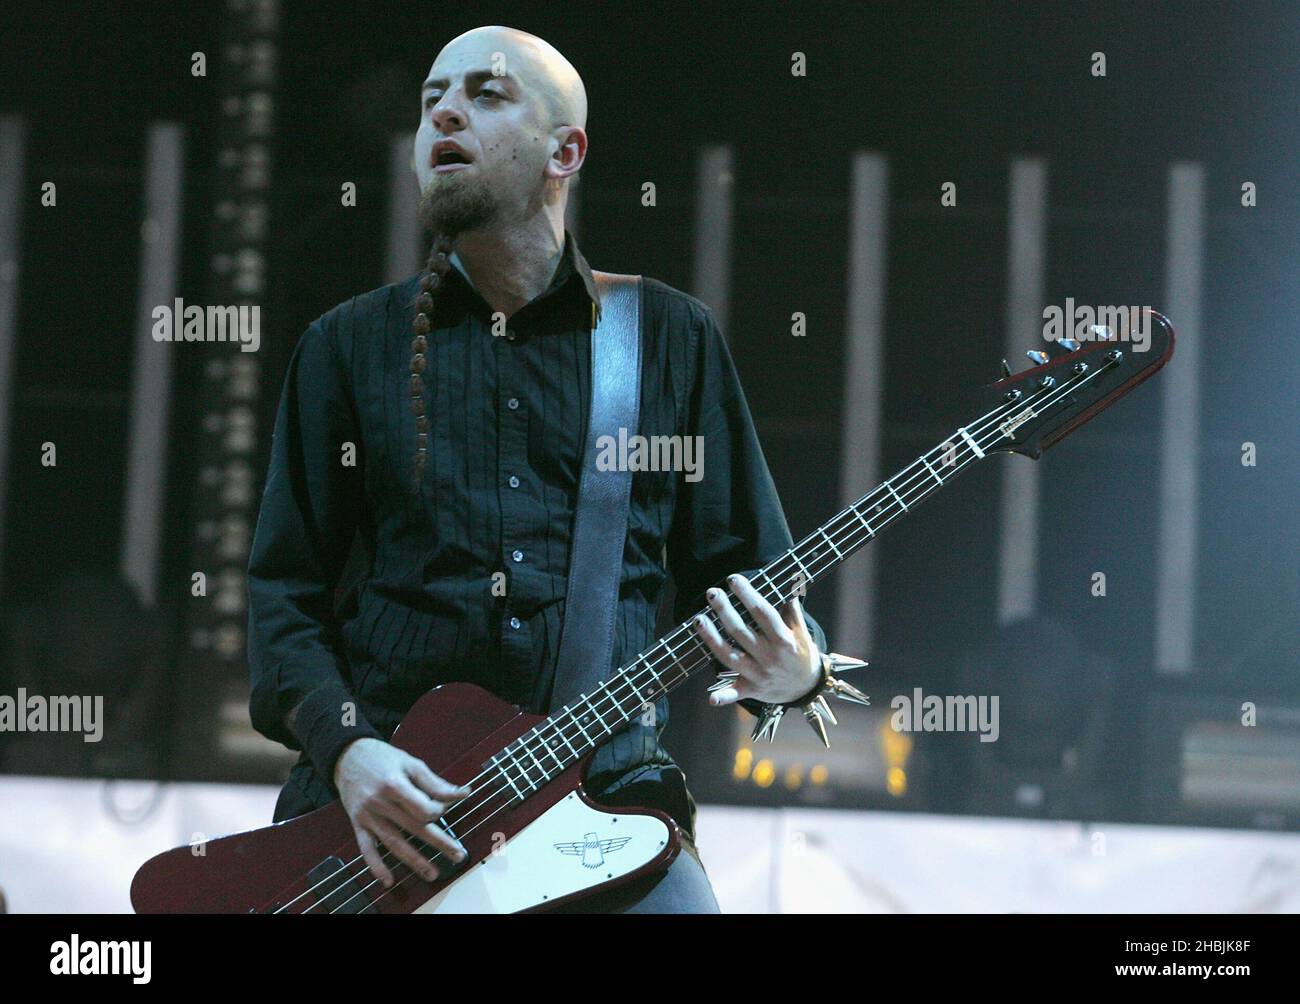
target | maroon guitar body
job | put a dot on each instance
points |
(311, 864)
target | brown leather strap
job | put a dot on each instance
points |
(600, 518)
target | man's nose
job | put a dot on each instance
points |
(447, 117)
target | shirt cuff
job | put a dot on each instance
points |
(320, 725)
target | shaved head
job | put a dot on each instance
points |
(502, 132)
(551, 78)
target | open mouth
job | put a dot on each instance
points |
(448, 158)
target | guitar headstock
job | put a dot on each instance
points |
(1075, 381)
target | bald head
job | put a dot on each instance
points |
(546, 75)
(502, 133)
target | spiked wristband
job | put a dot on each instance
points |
(813, 704)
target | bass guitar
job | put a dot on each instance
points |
(534, 837)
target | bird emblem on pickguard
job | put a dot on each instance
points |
(592, 849)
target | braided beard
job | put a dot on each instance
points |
(451, 205)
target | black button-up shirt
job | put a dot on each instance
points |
(467, 578)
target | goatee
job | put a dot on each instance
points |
(451, 205)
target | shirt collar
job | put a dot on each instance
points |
(572, 266)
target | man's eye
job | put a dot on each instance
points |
(490, 94)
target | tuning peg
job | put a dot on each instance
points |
(1006, 369)
(1069, 344)
(1037, 357)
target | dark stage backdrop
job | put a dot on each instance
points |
(947, 92)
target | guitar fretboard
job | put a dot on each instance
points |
(571, 733)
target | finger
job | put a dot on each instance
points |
(738, 691)
(722, 650)
(732, 623)
(370, 851)
(431, 784)
(412, 801)
(401, 848)
(792, 614)
(765, 615)
(432, 833)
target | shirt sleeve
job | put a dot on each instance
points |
(309, 514)
(729, 519)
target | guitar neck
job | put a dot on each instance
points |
(580, 727)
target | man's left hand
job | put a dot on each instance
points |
(777, 659)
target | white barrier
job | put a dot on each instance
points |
(71, 846)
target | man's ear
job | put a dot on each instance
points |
(569, 154)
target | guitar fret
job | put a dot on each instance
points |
(896, 495)
(931, 470)
(628, 680)
(592, 705)
(523, 770)
(533, 757)
(971, 443)
(549, 749)
(831, 543)
(578, 722)
(506, 774)
(565, 737)
(863, 520)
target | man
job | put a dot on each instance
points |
(501, 136)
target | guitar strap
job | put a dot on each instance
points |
(600, 517)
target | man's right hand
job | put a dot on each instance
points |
(387, 794)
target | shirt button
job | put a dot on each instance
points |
(510, 336)
(513, 403)
(515, 623)
(518, 555)
(514, 481)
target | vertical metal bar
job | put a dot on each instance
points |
(146, 473)
(713, 212)
(864, 382)
(1179, 426)
(1026, 266)
(13, 151)
(403, 253)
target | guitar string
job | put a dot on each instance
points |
(1070, 386)
(946, 448)
(694, 646)
(676, 658)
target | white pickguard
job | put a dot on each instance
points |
(570, 847)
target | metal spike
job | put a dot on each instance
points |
(768, 723)
(826, 709)
(813, 717)
(1037, 357)
(1069, 344)
(1006, 369)
(848, 692)
(843, 663)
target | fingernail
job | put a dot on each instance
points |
(713, 594)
